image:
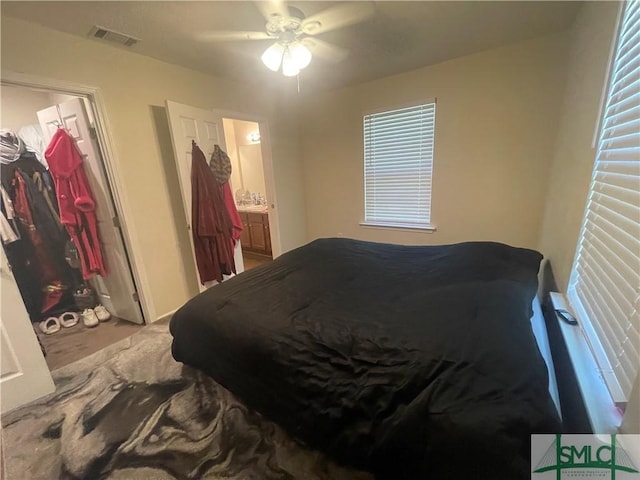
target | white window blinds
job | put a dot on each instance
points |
(605, 280)
(398, 164)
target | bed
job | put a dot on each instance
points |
(406, 361)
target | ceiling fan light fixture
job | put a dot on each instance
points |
(300, 54)
(273, 56)
(290, 67)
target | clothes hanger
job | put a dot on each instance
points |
(57, 123)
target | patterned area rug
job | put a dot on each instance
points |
(131, 412)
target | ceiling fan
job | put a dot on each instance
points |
(293, 34)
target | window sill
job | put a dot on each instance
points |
(542, 338)
(386, 226)
(603, 414)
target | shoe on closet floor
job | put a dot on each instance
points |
(102, 313)
(68, 319)
(89, 318)
(49, 326)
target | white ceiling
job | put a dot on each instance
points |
(398, 37)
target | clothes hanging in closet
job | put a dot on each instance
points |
(37, 254)
(75, 201)
(10, 231)
(11, 146)
(45, 265)
(212, 229)
(7, 233)
(34, 141)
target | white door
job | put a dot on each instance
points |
(116, 291)
(189, 124)
(24, 375)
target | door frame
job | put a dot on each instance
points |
(110, 163)
(267, 167)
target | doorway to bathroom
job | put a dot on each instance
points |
(249, 187)
(248, 148)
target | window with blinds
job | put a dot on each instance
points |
(398, 164)
(604, 287)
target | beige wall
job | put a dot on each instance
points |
(289, 195)
(19, 106)
(134, 88)
(496, 120)
(242, 130)
(232, 150)
(252, 171)
(573, 157)
(250, 158)
(247, 170)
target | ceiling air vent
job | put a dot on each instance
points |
(113, 36)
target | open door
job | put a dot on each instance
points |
(116, 291)
(24, 375)
(188, 123)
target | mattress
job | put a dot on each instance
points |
(406, 361)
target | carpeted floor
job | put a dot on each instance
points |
(71, 344)
(131, 412)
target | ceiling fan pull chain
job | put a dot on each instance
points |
(298, 81)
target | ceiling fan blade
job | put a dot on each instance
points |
(232, 36)
(337, 17)
(325, 50)
(270, 8)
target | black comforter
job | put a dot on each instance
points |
(410, 362)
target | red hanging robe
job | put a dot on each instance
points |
(211, 227)
(236, 221)
(77, 207)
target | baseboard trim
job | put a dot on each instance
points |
(165, 316)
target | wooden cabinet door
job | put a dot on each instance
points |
(245, 237)
(256, 227)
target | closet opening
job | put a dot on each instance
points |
(61, 232)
